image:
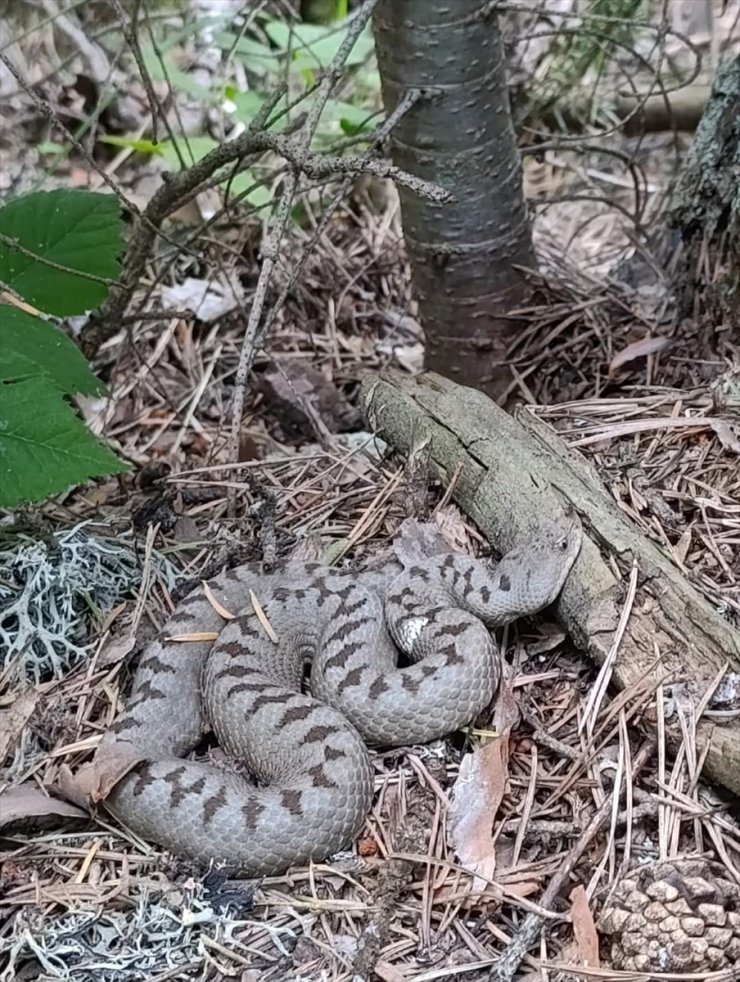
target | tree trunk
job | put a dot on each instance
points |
(706, 203)
(460, 136)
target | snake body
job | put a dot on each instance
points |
(311, 781)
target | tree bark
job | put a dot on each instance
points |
(461, 137)
(509, 472)
(706, 204)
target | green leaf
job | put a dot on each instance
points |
(163, 67)
(249, 103)
(79, 230)
(47, 147)
(31, 346)
(258, 58)
(129, 143)
(314, 46)
(14, 366)
(44, 446)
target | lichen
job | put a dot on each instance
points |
(50, 591)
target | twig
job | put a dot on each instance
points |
(529, 932)
(132, 38)
(298, 143)
(47, 111)
(181, 187)
(295, 150)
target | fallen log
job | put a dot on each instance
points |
(508, 472)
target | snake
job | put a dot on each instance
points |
(396, 659)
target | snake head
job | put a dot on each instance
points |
(533, 574)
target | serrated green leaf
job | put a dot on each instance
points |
(79, 230)
(45, 448)
(31, 346)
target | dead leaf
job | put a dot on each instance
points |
(298, 393)
(115, 650)
(585, 950)
(477, 795)
(416, 541)
(28, 806)
(728, 433)
(208, 299)
(93, 782)
(681, 548)
(523, 889)
(453, 528)
(638, 349)
(410, 357)
(13, 720)
(552, 636)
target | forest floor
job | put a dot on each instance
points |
(646, 395)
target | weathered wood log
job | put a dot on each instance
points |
(509, 472)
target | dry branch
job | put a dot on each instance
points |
(511, 471)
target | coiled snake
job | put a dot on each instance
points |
(308, 752)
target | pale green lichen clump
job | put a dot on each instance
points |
(49, 590)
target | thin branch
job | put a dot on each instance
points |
(46, 110)
(132, 39)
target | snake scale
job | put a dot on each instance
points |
(311, 783)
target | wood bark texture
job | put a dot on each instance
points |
(706, 208)
(459, 135)
(509, 472)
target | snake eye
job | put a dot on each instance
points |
(563, 545)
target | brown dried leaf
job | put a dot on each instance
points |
(585, 951)
(477, 795)
(297, 393)
(208, 299)
(93, 782)
(452, 526)
(681, 548)
(115, 650)
(416, 541)
(27, 804)
(638, 349)
(13, 720)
